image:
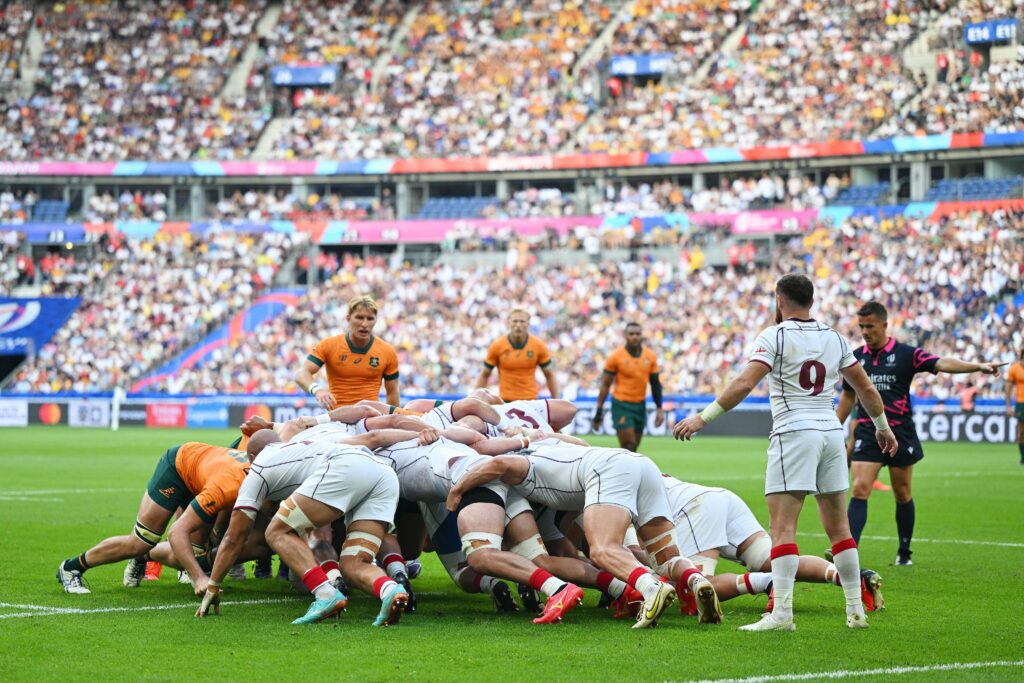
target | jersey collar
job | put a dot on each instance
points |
(889, 345)
(801, 320)
(520, 346)
(358, 349)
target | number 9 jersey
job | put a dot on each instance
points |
(804, 358)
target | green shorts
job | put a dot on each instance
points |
(166, 487)
(1018, 412)
(627, 415)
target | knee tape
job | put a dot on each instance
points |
(293, 516)
(147, 535)
(631, 537)
(478, 540)
(359, 542)
(759, 552)
(706, 565)
(530, 548)
(659, 545)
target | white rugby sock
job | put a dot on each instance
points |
(785, 561)
(616, 588)
(648, 585)
(848, 563)
(552, 586)
(487, 583)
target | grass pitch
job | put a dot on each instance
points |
(62, 490)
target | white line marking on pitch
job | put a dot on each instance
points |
(952, 541)
(47, 611)
(50, 492)
(29, 499)
(888, 671)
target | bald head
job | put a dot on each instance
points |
(260, 440)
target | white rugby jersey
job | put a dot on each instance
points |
(423, 473)
(280, 468)
(527, 414)
(682, 494)
(805, 358)
(440, 418)
(329, 431)
(558, 472)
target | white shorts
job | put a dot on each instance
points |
(514, 503)
(808, 461)
(716, 520)
(549, 530)
(628, 480)
(361, 486)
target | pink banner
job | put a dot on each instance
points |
(68, 168)
(436, 231)
(758, 222)
(268, 168)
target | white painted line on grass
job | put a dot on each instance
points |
(50, 492)
(854, 673)
(48, 611)
(951, 541)
(29, 499)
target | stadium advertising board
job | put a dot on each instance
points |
(304, 75)
(165, 415)
(13, 413)
(207, 415)
(27, 324)
(89, 413)
(969, 427)
(641, 64)
(994, 31)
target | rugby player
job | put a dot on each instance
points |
(1015, 390)
(517, 356)
(806, 453)
(355, 362)
(197, 477)
(630, 367)
(891, 366)
(615, 489)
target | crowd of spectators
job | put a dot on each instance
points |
(128, 205)
(16, 205)
(136, 79)
(15, 22)
(803, 72)
(941, 282)
(254, 205)
(485, 77)
(149, 300)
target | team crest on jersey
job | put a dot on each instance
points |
(760, 349)
(374, 361)
(890, 360)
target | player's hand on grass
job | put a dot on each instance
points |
(201, 584)
(990, 368)
(887, 442)
(659, 417)
(685, 429)
(211, 598)
(428, 436)
(326, 399)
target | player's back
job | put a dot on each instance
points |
(329, 431)
(200, 463)
(423, 471)
(555, 478)
(529, 414)
(805, 358)
(279, 469)
(681, 494)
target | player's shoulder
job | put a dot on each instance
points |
(536, 342)
(327, 344)
(382, 346)
(500, 343)
(649, 353)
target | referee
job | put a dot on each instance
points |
(891, 365)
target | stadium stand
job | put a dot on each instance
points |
(941, 281)
(15, 20)
(975, 189)
(145, 300)
(136, 79)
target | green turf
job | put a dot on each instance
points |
(62, 490)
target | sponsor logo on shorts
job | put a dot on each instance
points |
(167, 492)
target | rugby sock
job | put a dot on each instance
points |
(382, 585)
(610, 585)
(847, 561)
(76, 564)
(857, 513)
(644, 581)
(317, 583)
(1020, 447)
(393, 564)
(546, 582)
(905, 524)
(832, 575)
(785, 562)
(484, 584)
(753, 583)
(689, 577)
(331, 569)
